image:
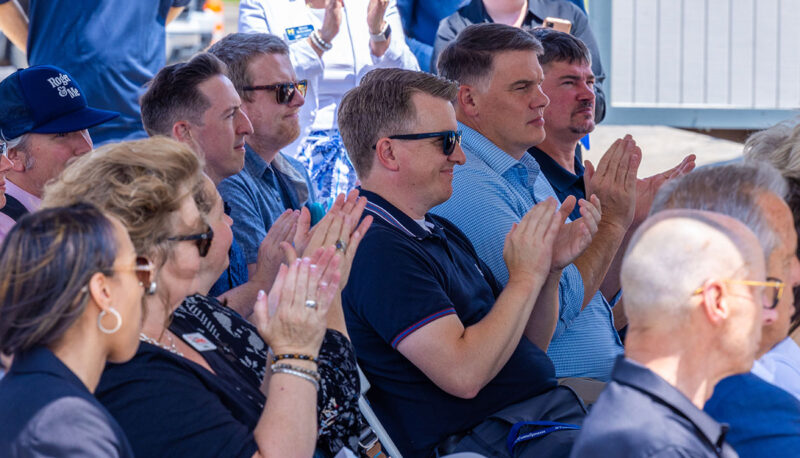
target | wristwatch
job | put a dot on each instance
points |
(383, 35)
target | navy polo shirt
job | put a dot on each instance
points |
(564, 182)
(404, 277)
(640, 414)
(764, 419)
(47, 411)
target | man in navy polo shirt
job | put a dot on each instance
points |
(44, 119)
(695, 284)
(442, 344)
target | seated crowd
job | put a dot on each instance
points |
(205, 291)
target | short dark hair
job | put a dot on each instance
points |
(172, 95)
(237, 49)
(561, 47)
(47, 260)
(381, 105)
(470, 57)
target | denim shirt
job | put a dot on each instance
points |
(260, 193)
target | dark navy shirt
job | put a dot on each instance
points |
(564, 182)
(639, 414)
(403, 278)
(764, 419)
(47, 411)
(170, 406)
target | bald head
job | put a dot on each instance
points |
(673, 253)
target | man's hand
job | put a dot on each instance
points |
(375, 12)
(270, 253)
(528, 250)
(646, 188)
(574, 237)
(614, 181)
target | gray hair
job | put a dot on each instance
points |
(237, 49)
(778, 145)
(21, 144)
(672, 254)
(729, 189)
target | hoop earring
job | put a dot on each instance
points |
(113, 313)
(152, 288)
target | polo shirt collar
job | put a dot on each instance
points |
(561, 178)
(635, 375)
(381, 209)
(42, 360)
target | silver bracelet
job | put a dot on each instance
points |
(316, 38)
(310, 372)
(281, 370)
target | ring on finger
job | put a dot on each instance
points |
(311, 304)
(341, 245)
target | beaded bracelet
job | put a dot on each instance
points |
(281, 370)
(309, 372)
(276, 358)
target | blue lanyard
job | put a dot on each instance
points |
(514, 437)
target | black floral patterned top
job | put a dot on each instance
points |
(241, 357)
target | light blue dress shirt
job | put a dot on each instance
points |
(490, 193)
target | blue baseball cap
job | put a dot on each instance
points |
(44, 99)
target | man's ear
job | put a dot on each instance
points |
(467, 100)
(18, 157)
(385, 154)
(716, 301)
(182, 132)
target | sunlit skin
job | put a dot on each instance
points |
(44, 157)
(570, 115)
(508, 106)
(220, 135)
(274, 125)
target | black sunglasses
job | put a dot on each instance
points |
(284, 92)
(203, 240)
(450, 138)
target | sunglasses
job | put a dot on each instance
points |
(284, 92)
(144, 273)
(203, 240)
(450, 139)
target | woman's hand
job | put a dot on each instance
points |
(375, 12)
(342, 227)
(284, 319)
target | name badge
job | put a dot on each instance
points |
(198, 341)
(299, 32)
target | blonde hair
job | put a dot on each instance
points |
(140, 182)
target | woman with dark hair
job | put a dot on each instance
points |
(71, 299)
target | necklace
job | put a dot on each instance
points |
(172, 348)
